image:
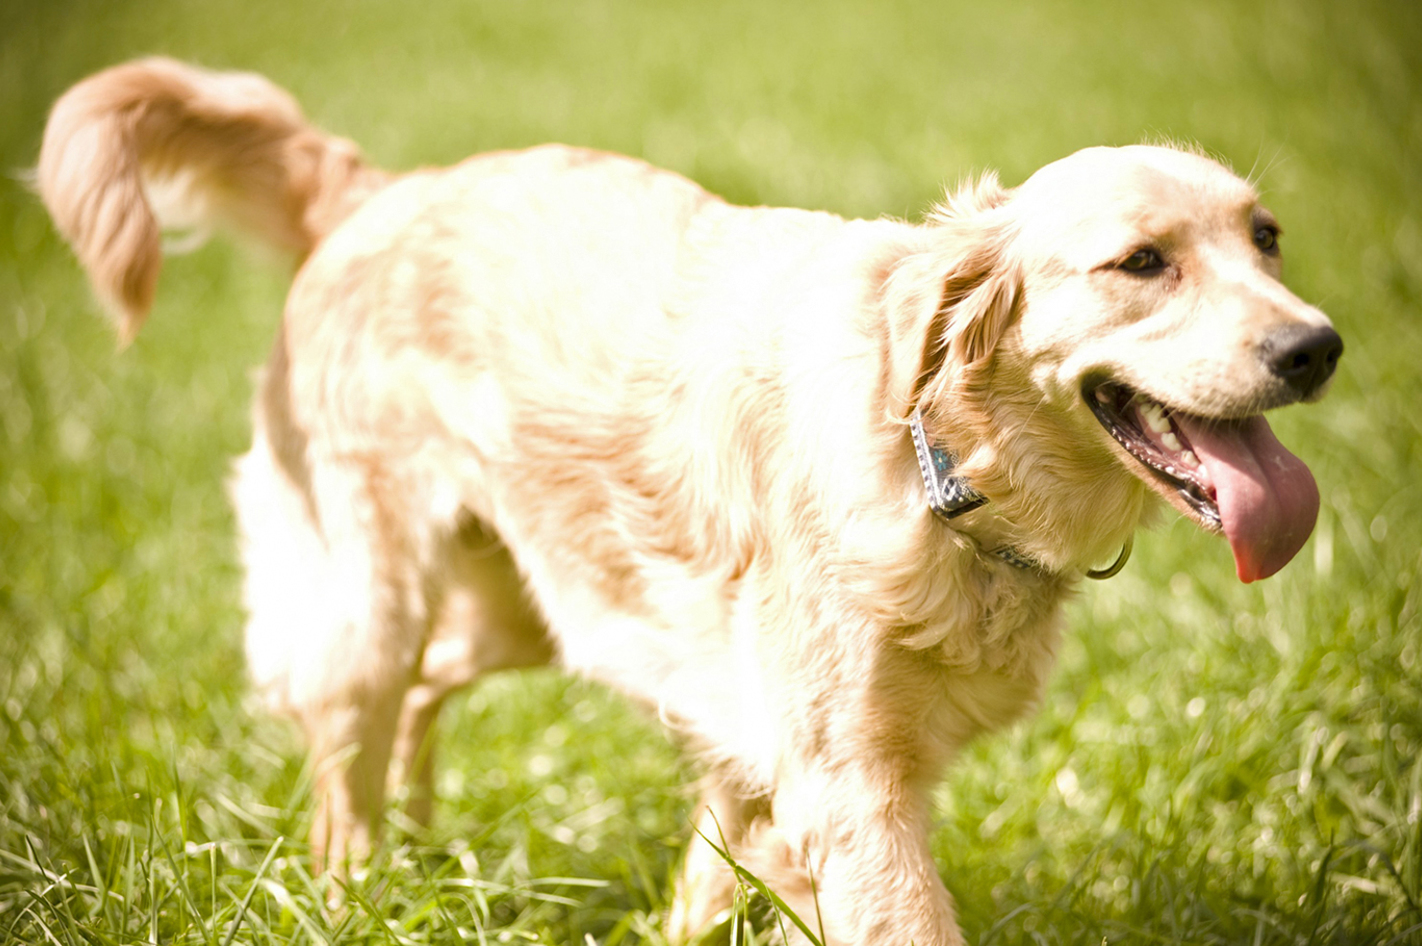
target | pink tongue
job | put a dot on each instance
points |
(1267, 497)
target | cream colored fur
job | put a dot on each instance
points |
(562, 405)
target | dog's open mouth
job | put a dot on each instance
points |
(1232, 476)
(1151, 433)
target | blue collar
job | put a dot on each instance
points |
(949, 496)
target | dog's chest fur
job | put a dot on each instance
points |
(752, 645)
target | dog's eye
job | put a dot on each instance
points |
(1267, 239)
(1143, 261)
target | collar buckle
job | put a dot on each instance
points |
(949, 496)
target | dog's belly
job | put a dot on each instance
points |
(681, 648)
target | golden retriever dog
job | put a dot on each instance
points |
(812, 489)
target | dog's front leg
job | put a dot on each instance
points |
(706, 890)
(848, 850)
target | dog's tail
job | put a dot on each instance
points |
(157, 143)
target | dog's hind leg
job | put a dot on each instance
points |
(336, 590)
(484, 623)
(412, 761)
(380, 556)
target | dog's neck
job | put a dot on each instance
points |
(950, 495)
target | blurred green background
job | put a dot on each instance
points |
(1214, 763)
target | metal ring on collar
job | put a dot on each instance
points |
(1101, 574)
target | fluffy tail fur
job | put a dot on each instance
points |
(156, 143)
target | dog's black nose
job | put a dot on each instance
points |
(1303, 355)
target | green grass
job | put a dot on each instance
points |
(1213, 763)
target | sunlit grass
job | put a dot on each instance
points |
(1214, 763)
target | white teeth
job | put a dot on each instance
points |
(1102, 396)
(1154, 416)
(1189, 458)
(1170, 440)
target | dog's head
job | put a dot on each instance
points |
(1130, 299)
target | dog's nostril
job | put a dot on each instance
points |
(1303, 355)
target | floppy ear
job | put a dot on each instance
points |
(949, 303)
(977, 315)
(978, 318)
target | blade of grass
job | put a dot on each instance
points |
(758, 885)
(251, 889)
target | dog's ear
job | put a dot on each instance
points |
(979, 307)
(949, 304)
